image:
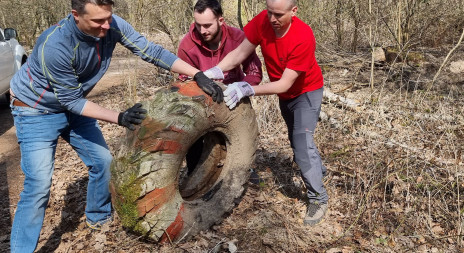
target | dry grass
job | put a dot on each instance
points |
(395, 165)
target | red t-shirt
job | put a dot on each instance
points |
(295, 50)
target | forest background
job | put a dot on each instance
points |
(391, 130)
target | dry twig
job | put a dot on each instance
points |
(446, 59)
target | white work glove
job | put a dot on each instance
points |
(214, 73)
(236, 91)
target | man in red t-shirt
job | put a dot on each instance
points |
(210, 39)
(288, 47)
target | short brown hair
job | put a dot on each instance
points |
(213, 5)
(79, 5)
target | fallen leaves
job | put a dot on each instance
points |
(100, 241)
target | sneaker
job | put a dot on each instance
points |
(99, 224)
(315, 213)
(255, 178)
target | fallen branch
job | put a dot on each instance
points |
(344, 102)
(446, 59)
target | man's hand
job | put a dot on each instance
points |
(214, 73)
(132, 116)
(209, 87)
(236, 91)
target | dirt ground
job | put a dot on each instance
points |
(10, 172)
(369, 210)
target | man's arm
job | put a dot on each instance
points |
(96, 111)
(129, 118)
(182, 67)
(237, 56)
(238, 90)
(282, 85)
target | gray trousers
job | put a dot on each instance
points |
(301, 115)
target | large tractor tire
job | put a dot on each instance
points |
(155, 191)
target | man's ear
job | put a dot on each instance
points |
(294, 10)
(221, 20)
(75, 15)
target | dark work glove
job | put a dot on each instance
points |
(209, 87)
(132, 116)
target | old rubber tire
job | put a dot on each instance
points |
(154, 192)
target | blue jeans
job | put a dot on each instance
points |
(301, 115)
(38, 132)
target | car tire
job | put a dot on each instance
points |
(5, 99)
(154, 192)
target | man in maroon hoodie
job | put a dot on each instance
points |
(205, 45)
(210, 40)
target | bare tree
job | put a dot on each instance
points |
(401, 23)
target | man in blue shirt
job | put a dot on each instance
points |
(48, 101)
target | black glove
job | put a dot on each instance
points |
(209, 87)
(132, 116)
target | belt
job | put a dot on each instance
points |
(17, 102)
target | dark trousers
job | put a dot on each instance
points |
(301, 115)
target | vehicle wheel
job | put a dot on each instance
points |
(154, 192)
(5, 99)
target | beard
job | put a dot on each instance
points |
(214, 35)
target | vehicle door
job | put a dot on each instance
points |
(6, 63)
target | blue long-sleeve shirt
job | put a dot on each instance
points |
(66, 64)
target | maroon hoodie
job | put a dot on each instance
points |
(193, 51)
